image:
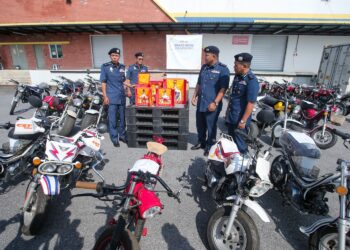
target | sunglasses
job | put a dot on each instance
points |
(140, 59)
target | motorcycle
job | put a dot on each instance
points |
(23, 92)
(306, 117)
(235, 181)
(96, 112)
(66, 160)
(26, 137)
(343, 104)
(333, 233)
(138, 200)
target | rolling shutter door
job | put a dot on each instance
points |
(268, 52)
(101, 45)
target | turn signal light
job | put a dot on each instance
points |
(78, 165)
(36, 161)
(341, 190)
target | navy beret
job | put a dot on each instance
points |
(139, 54)
(114, 50)
(244, 57)
(212, 49)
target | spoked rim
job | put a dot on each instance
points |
(322, 140)
(330, 242)
(238, 239)
(105, 244)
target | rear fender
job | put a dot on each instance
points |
(318, 224)
(72, 113)
(92, 111)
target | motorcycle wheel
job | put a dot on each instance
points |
(32, 220)
(341, 109)
(127, 240)
(244, 230)
(14, 104)
(326, 238)
(88, 120)
(67, 126)
(324, 142)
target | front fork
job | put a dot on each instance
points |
(344, 214)
(236, 206)
(31, 190)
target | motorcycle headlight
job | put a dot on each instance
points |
(77, 102)
(20, 89)
(45, 105)
(60, 86)
(47, 168)
(296, 109)
(63, 169)
(151, 212)
(97, 99)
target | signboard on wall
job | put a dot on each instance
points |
(183, 51)
(240, 39)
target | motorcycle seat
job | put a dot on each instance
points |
(307, 105)
(23, 137)
(43, 85)
(266, 116)
(269, 100)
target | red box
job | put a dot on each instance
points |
(143, 96)
(179, 86)
(165, 97)
(154, 85)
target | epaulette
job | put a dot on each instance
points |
(222, 64)
(107, 64)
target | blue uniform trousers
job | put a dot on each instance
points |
(116, 112)
(240, 142)
(206, 123)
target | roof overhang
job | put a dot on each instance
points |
(219, 28)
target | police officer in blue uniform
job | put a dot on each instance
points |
(213, 80)
(113, 88)
(132, 74)
(245, 88)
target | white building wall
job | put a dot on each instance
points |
(305, 55)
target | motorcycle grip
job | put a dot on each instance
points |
(86, 185)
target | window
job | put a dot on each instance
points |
(55, 51)
(268, 52)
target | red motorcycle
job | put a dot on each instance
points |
(138, 200)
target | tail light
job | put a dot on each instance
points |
(149, 203)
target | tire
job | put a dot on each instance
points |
(254, 130)
(128, 240)
(88, 120)
(331, 138)
(325, 238)
(243, 222)
(341, 109)
(31, 222)
(13, 104)
(67, 126)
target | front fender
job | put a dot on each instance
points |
(318, 224)
(50, 185)
(72, 113)
(253, 205)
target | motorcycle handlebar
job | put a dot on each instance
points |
(7, 125)
(86, 185)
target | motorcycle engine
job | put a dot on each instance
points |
(214, 172)
(226, 187)
(278, 172)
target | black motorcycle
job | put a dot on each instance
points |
(23, 91)
(343, 104)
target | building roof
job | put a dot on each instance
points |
(208, 27)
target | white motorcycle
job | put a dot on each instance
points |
(66, 159)
(236, 180)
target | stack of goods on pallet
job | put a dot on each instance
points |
(161, 109)
(169, 92)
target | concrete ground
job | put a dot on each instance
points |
(76, 223)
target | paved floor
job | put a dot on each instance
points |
(75, 224)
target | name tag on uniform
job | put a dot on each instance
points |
(243, 83)
(215, 72)
(110, 69)
(122, 70)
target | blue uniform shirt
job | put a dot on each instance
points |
(114, 77)
(133, 72)
(210, 80)
(244, 89)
